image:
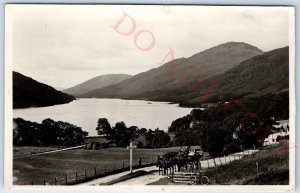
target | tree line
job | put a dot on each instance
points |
(228, 127)
(47, 133)
(121, 135)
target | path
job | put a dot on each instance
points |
(142, 180)
(110, 178)
(47, 152)
(225, 160)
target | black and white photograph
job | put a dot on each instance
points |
(161, 97)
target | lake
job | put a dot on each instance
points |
(86, 112)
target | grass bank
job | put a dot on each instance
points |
(269, 166)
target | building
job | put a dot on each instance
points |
(282, 130)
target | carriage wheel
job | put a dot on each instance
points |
(204, 180)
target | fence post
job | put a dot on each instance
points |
(172, 173)
(215, 162)
(85, 174)
(216, 175)
(66, 178)
(76, 177)
(31, 183)
(44, 181)
(220, 161)
(95, 170)
(140, 161)
(55, 181)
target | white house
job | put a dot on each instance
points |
(283, 130)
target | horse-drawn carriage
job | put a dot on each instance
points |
(183, 165)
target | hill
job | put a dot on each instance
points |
(30, 93)
(171, 81)
(260, 75)
(96, 83)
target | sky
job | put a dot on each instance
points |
(64, 45)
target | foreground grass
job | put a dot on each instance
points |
(272, 169)
(269, 166)
(57, 165)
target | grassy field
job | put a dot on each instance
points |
(57, 165)
(272, 169)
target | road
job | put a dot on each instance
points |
(110, 178)
(53, 151)
(153, 176)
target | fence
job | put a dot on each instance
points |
(96, 171)
(209, 163)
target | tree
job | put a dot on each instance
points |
(149, 136)
(119, 134)
(160, 139)
(104, 128)
(47, 133)
(73, 135)
(142, 131)
(123, 135)
(216, 143)
(25, 133)
(180, 124)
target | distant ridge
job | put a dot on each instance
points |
(96, 83)
(169, 83)
(27, 92)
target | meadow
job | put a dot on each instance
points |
(56, 166)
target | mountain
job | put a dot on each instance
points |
(96, 83)
(30, 93)
(175, 81)
(260, 75)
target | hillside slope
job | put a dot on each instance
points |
(260, 75)
(96, 83)
(30, 93)
(171, 81)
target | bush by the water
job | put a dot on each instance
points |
(47, 133)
